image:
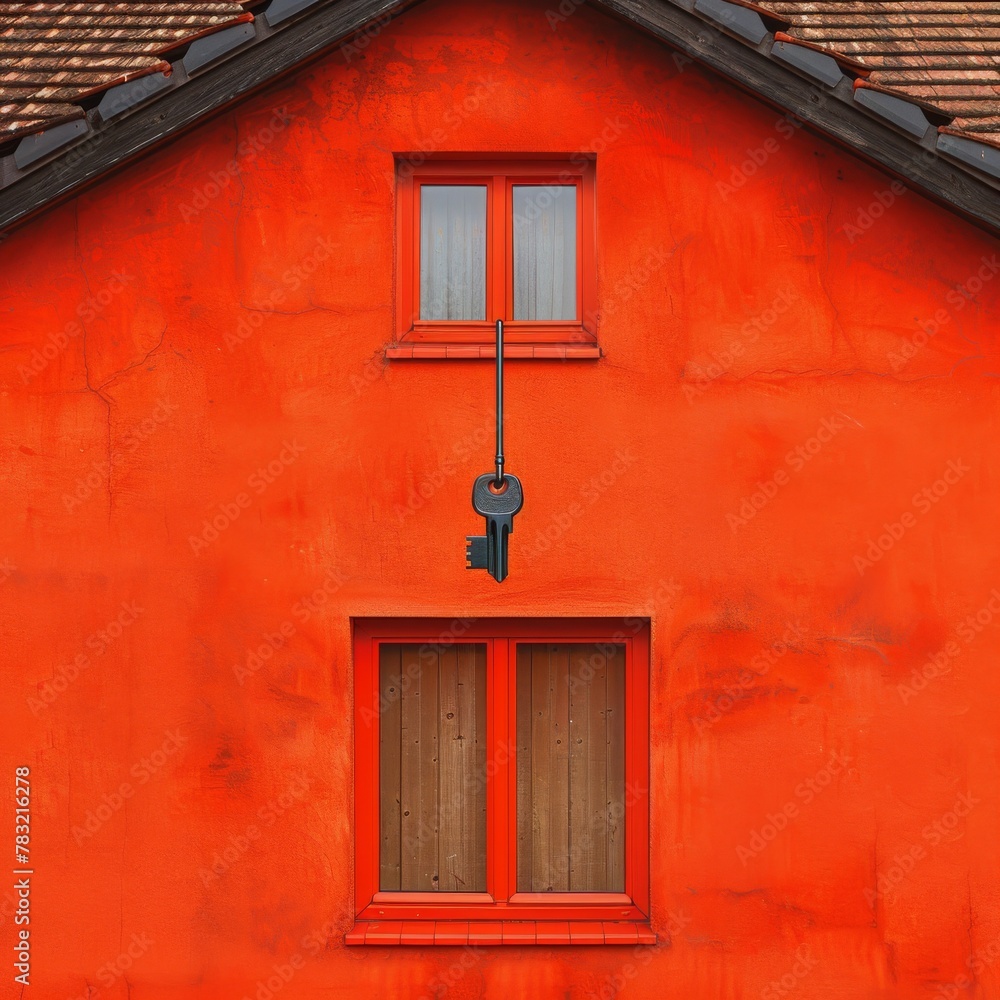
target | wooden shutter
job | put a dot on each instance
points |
(432, 764)
(570, 767)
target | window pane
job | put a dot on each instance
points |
(570, 768)
(432, 763)
(452, 251)
(544, 252)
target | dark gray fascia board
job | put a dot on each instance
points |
(247, 70)
(824, 112)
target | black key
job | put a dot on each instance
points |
(499, 508)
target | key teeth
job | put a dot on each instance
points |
(475, 552)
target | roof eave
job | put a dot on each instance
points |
(830, 110)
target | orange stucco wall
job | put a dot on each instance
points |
(772, 461)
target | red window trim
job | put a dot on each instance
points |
(382, 916)
(499, 176)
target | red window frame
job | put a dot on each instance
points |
(499, 177)
(550, 918)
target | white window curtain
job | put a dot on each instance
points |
(452, 252)
(544, 252)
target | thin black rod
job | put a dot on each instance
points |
(500, 475)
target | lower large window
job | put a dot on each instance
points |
(502, 781)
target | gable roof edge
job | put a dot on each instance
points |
(188, 101)
(830, 111)
(953, 173)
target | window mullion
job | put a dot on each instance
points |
(497, 248)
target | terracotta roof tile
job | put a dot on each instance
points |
(54, 54)
(943, 56)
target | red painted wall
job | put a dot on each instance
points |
(806, 509)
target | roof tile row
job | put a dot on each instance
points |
(55, 54)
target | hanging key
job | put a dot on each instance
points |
(498, 505)
(497, 496)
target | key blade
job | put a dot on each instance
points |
(498, 539)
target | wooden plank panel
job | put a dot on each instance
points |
(409, 770)
(390, 692)
(452, 848)
(525, 769)
(478, 736)
(461, 813)
(428, 750)
(588, 770)
(540, 773)
(558, 804)
(419, 772)
(615, 700)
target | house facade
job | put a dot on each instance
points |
(726, 730)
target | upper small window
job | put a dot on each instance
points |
(481, 241)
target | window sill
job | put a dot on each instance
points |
(427, 933)
(430, 352)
